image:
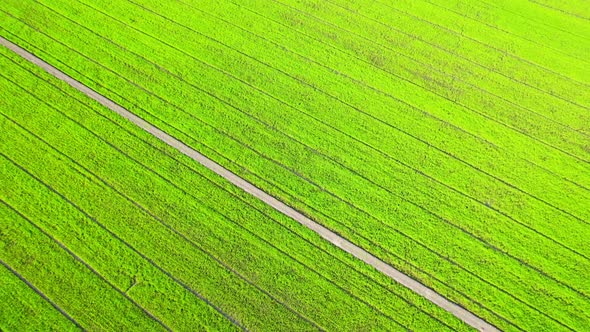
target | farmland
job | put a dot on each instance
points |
(199, 239)
(449, 139)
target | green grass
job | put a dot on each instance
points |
(155, 225)
(446, 147)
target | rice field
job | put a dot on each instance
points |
(450, 139)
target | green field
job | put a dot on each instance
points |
(451, 139)
(158, 235)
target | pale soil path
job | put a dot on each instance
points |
(325, 233)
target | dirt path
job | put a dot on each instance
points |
(325, 233)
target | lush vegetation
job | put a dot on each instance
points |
(452, 144)
(120, 231)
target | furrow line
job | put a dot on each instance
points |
(351, 106)
(505, 32)
(565, 12)
(335, 72)
(492, 4)
(388, 72)
(440, 120)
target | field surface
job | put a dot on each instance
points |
(451, 139)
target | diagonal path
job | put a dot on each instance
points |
(324, 232)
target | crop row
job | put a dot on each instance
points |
(361, 111)
(439, 27)
(380, 108)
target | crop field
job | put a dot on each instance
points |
(158, 237)
(449, 139)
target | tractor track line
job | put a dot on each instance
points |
(563, 11)
(464, 58)
(496, 49)
(385, 71)
(512, 35)
(529, 19)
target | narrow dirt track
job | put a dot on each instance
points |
(325, 233)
